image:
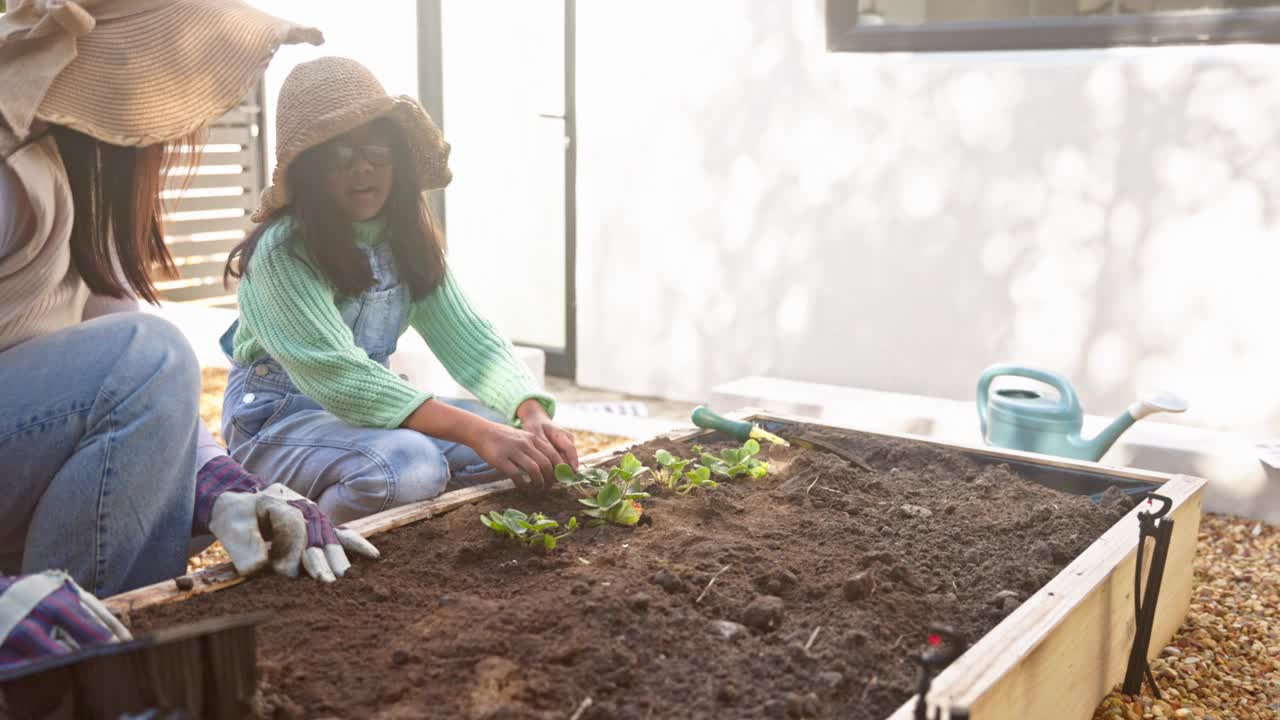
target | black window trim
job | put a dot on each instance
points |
(1054, 33)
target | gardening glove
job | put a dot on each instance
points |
(238, 509)
(49, 614)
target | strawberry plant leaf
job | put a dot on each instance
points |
(630, 465)
(609, 495)
(529, 530)
(627, 513)
(565, 474)
(588, 478)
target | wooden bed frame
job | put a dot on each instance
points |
(1056, 656)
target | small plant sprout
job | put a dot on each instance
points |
(530, 530)
(589, 478)
(616, 503)
(733, 462)
(629, 469)
(669, 474)
(698, 477)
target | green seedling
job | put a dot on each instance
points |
(733, 462)
(585, 478)
(668, 475)
(615, 503)
(698, 477)
(628, 470)
(530, 530)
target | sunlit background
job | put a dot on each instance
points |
(751, 204)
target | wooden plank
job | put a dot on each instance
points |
(227, 300)
(179, 228)
(244, 115)
(241, 179)
(995, 453)
(405, 514)
(1061, 652)
(179, 247)
(194, 292)
(242, 157)
(243, 200)
(206, 269)
(230, 135)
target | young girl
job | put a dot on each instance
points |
(346, 259)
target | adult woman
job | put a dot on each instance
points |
(107, 469)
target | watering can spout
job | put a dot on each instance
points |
(1151, 404)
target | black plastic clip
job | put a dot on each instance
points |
(945, 645)
(1158, 526)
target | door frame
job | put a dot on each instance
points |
(561, 362)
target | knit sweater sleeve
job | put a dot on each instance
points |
(473, 352)
(290, 310)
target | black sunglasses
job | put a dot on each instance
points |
(343, 156)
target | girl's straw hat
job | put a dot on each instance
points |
(327, 97)
(133, 72)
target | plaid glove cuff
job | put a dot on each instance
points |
(43, 615)
(219, 475)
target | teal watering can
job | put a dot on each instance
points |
(1020, 419)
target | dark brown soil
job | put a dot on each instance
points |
(454, 623)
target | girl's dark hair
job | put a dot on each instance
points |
(117, 208)
(325, 235)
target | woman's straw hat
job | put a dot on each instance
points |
(133, 72)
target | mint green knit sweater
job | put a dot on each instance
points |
(288, 311)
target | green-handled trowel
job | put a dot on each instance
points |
(742, 430)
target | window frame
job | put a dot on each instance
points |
(1220, 27)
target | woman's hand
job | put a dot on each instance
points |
(244, 513)
(533, 417)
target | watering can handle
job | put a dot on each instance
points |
(1065, 391)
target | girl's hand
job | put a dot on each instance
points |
(533, 416)
(527, 458)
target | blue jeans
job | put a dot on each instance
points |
(349, 471)
(97, 452)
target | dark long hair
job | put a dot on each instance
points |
(326, 236)
(117, 211)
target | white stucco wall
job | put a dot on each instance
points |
(750, 204)
(502, 68)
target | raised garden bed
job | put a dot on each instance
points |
(801, 594)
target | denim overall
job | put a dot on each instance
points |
(281, 435)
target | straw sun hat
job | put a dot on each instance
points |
(330, 96)
(133, 72)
